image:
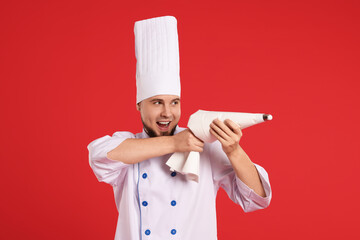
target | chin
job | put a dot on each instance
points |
(169, 132)
(153, 133)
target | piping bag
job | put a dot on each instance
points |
(188, 163)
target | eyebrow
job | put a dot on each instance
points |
(161, 100)
(156, 100)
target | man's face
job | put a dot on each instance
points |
(160, 114)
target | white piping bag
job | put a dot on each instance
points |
(188, 163)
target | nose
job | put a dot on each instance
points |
(166, 111)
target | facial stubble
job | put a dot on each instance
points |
(152, 133)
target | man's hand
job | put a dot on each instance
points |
(185, 141)
(228, 133)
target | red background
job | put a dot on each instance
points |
(68, 77)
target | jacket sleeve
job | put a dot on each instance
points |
(224, 176)
(105, 169)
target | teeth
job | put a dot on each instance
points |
(164, 123)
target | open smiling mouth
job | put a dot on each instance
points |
(163, 125)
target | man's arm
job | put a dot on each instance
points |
(229, 135)
(133, 150)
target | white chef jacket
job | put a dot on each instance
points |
(154, 203)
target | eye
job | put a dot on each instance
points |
(175, 102)
(157, 102)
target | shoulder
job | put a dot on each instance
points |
(115, 136)
(124, 134)
(120, 134)
(179, 129)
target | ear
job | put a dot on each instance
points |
(138, 106)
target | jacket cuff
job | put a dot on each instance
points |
(251, 194)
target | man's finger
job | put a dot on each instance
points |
(218, 137)
(233, 126)
(199, 149)
(219, 130)
(199, 144)
(195, 136)
(224, 128)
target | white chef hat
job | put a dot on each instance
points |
(157, 54)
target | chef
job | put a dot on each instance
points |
(154, 202)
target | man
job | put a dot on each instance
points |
(152, 201)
